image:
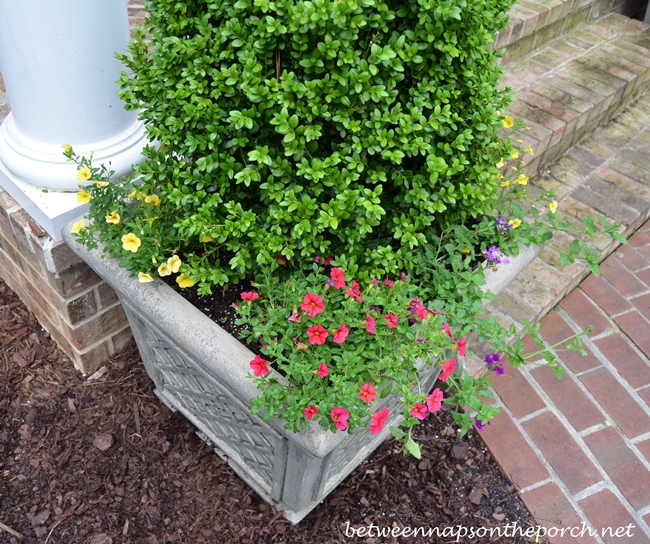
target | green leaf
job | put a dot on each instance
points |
(413, 448)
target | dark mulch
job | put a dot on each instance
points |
(100, 460)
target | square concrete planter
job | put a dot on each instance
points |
(201, 371)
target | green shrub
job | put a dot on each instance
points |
(315, 128)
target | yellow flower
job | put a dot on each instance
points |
(164, 270)
(77, 227)
(113, 217)
(101, 184)
(153, 199)
(131, 242)
(151, 220)
(500, 163)
(522, 180)
(144, 278)
(505, 183)
(66, 147)
(508, 122)
(552, 206)
(207, 238)
(514, 223)
(83, 197)
(529, 150)
(174, 263)
(515, 154)
(184, 281)
(84, 173)
(466, 250)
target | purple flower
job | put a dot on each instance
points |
(375, 308)
(480, 425)
(329, 282)
(492, 358)
(499, 370)
(502, 224)
(495, 255)
(421, 340)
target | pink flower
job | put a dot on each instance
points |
(434, 400)
(295, 316)
(370, 323)
(374, 281)
(312, 304)
(418, 411)
(321, 260)
(250, 296)
(310, 412)
(322, 371)
(259, 366)
(340, 334)
(447, 329)
(338, 277)
(340, 417)
(378, 420)
(389, 283)
(461, 345)
(282, 259)
(447, 369)
(317, 334)
(391, 320)
(367, 393)
(355, 292)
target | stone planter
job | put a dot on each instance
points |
(201, 371)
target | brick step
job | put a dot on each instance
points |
(534, 23)
(573, 84)
(606, 173)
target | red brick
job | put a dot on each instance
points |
(550, 508)
(637, 329)
(621, 278)
(622, 465)
(617, 402)
(620, 180)
(644, 275)
(645, 251)
(584, 312)
(603, 293)
(644, 448)
(604, 510)
(562, 452)
(512, 452)
(516, 393)
(513, 308)
(556, 282)
(645, 395)
(642, 304)
(554, 329)
(567, 396)
(634, 369)
(631, 258)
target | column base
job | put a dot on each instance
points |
(43, 164)
(52, 210)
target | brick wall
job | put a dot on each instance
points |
(81, 313)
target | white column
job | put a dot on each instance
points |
(60, 72)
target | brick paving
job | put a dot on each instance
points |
(579, 448)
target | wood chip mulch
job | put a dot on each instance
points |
(99, 460)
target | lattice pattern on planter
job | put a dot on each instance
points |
(343, 460)
(225, 420)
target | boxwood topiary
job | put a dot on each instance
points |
(347, 128)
